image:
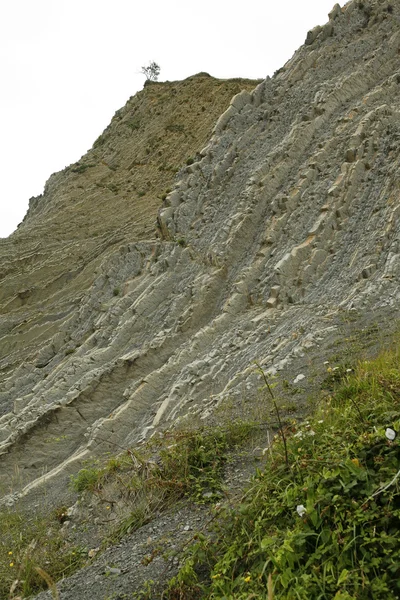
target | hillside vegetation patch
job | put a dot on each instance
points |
(326, 524)
(34, 553)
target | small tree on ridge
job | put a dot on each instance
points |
(151, 72)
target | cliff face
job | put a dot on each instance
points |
(109, 197)
(284, 221)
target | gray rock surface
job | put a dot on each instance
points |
(151, 554)
(288, 217)
(286, 222)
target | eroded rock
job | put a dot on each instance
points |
(111, 331)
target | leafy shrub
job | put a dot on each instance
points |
(86, 479)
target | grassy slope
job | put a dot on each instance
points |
(340, 467)
(341, 476)
(139, 484)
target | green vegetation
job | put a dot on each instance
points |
(134, 124)
(319, 521)
(164, 196)
(175, 128)
(33, 553)
(81, 168)
(152, 71)
(324, 524)
(101, 140)
(188, 463)
(86, 479)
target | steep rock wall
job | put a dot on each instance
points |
(288, 216)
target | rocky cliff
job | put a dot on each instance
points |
(280, 221)
(110, 197)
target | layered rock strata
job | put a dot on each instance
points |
(286, 218)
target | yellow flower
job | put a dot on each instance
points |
(247, 579)
(11, 564)
(9, 554)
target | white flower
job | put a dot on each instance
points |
(390, 434)
(301, 510)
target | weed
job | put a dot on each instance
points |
(186, 584)
(86, 479)
(100, 141)
(60, 514)
(134, 124)
(175, 128)
(146, 593)
(81, 168)
(141, 515)
(165, 195)
(51, 585)
(34, 554)
(327, 526)
(281, 430)
(185, 463)
(335, 376)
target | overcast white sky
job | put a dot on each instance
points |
(66, 66)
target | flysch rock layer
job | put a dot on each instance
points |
(288, 216)
(109, 197)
